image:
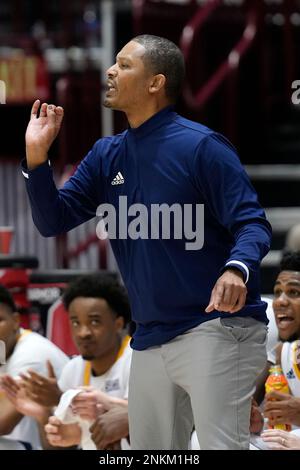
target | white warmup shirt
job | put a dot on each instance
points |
(31, 352)
(114, 382)
(290, 356)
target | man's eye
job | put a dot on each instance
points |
(294, 293)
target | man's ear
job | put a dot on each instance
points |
(157, 83)
(120, 323)
(16, 320)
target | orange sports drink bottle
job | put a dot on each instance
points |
(277, 382)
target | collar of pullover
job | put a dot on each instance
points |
(157, 120)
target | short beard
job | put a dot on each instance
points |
(88, 358)
(290, 339)
(107, 104)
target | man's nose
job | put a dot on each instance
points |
(84, 332)
(283, 298)
(111, 72)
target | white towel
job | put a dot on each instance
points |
(66, 416)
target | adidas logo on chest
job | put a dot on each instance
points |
(119, 179)
(290, 374)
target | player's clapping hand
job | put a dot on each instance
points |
(16, 394)
(43, 390)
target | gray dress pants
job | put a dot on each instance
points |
(204, 377)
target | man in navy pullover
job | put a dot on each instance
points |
(201, 326)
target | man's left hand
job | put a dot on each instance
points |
(229, 292)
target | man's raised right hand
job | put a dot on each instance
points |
(41, 132)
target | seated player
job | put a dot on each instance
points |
(24, 350)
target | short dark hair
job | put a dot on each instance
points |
(163, 56)
(290, 261)
(6, 299)
(100, 286)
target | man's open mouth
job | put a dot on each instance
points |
(284, 321)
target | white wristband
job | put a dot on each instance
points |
(239, 263)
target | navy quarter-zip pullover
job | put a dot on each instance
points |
(168, 159)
